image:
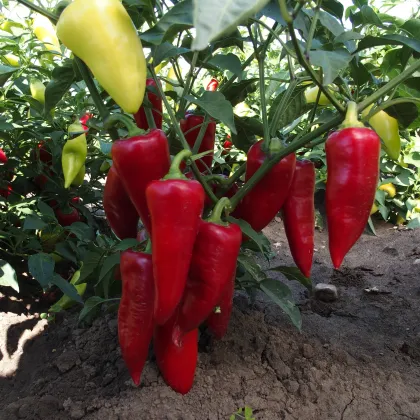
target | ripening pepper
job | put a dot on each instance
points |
(84, 119)
(218, 321)
(37, 90)
(120, 212)
(3, 157)
(135, 313)
(299, 216)
(176, 355)
(173, 234)
(387, 129)
(139, 160)
(73, 158)
(389, 188)
(67, 216)
(266, 199)
(353, 166)
(187, 126)
(213, 265)
(213, 85)
(44, 30)
(156, 101)
(12, 60)
(101, 33)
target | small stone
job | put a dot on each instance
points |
(291, 386)
(308, 351)
(66, 361)
(326, 292)
(417, 261)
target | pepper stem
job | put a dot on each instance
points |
(216, 214)
(113, 119)
(351, 119)
(174, 171)
(148, 249)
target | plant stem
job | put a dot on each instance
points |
(132, 128)
(187, 86)
(149, 117)
(313, 27)
(387, 104)
(201, 134)
(216, 214)
(40, 10)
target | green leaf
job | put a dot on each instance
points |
(8, 276)
(393, 39)
(90, 305)
(215, 18)
(293, 273)
(82, 231)
(405, 113)
(165, 51)
(251, 267)
(247, 130)
(359, 72)
(229, 62)
(328, 21)
(333, 7)
(90, 264)
(109, 263)
(67, 288)
(237, 92)
(126, 244)
(366, 16)
(216, 105)
(41, 266)
(412, 26)
(33, 222)
(46, 210)
(331, 62)
(347, 36)
(249, 232)
(105, 147)
(62, 79)
(5, 73)
(282, 296)
(66, 251)
(414, 223)
(371, 226)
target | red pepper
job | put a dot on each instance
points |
(3, 157)
(212, 266)
(44, 155)
(83, 120)
(75, 200)
(135, 314)
(299, 216)
(207, 143)
(6, 192)
(176, 355)
(218, 322)
(120, 212)
(265, 200)
(175, 205)
(353, 168)
(213, 85)
(156, 102)
(138, 161)
(67, 219)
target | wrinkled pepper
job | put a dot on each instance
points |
(135, 313)
(44, 30)
(387, 129)
(299, 216)
(266, 199)
(352, 167)
(110, 46)
(67, 302)
(156, 101)
(212, 266)
(176, 355)
(173, 234)
(187, 126)
(3, 157)
(37, 90)
(139, 160)
(73, 158)
(120, 212)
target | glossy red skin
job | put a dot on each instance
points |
(3, 157)
(75, 200)
(213, 85)
(67, 219)
(135, 314)
(6, 192)
(138, 161)
(209, 138)
(352, 177)
(175, 207)
(266, 199)
(212, 266)
(156, 101)
(299, 216)
(176, 355)
(120, 212)
(44, 155)
(218, 322)
(83, 120)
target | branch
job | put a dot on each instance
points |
(40, 10)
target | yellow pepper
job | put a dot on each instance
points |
(44, 30)
(389, 189)
(374, 209)
(101, 33)
(12, 60)
(400, 220)
(73, 158)
(387, 129)
(37, 90)
(8, 26)
(311, 95)
(80, 177)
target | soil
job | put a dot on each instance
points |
(356, 358)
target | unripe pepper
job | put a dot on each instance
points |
(37, 89)
(156, 101)
(110, 46)
(12, 60)
(45, 32)
(299, 216)
(352, 166)
(311, 95)
(120, 212)
(139, 160)
(266, 199)
(187, 126)
(213, 85)
(73, 158)
(135, 314)
(3, 157)
(176, 355)
(175, 204)
(218, 321)
(80, 177)
(212, 266)
(387, 129)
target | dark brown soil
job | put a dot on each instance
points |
(357, 358)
